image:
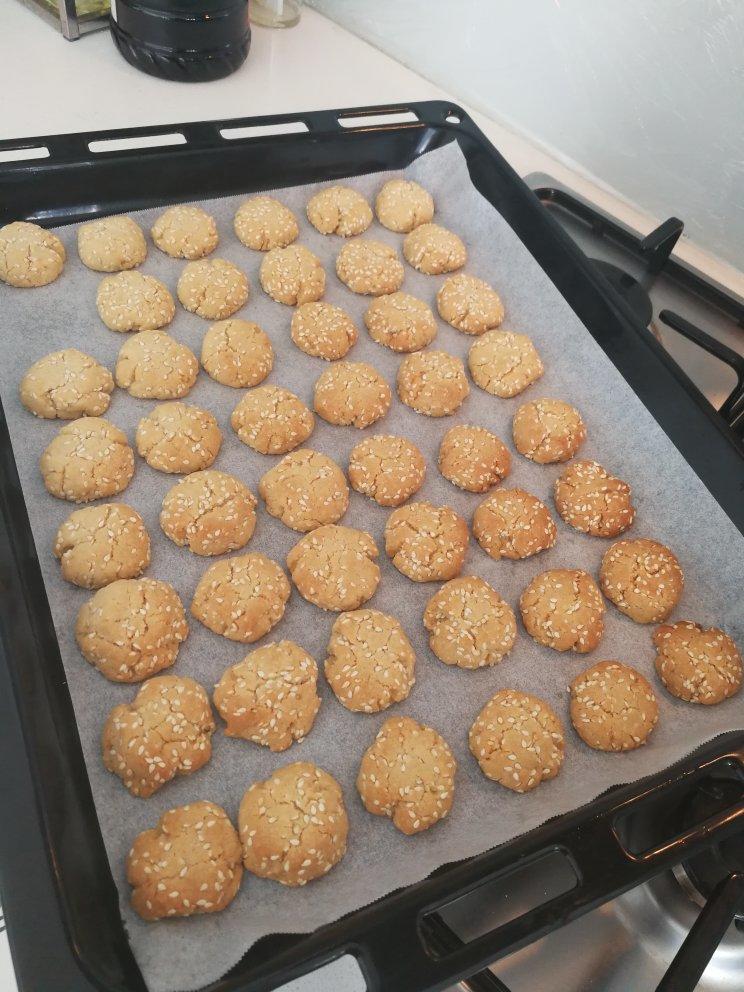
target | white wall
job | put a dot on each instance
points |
(645, 95)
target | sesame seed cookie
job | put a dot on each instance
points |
(697, 664)
(154, 366)
(241, 598)
(111, 244)
(351, 393)
(339, 210)
(189, 863)
(591, 500)
(237, 353)
(67, 384)
(469, 304)
(272, 420)
(370, 662)
(305, 490)
(292, 275)
(271, 696)
(210, 513)
(178, 438)
(548, 431)
(263, 223)
(564, 610)
(131, 629)
(402, 205)
(432, 383)
(386, 468)
(30, 256)
(512, 523)
(400, 322)
(212, 288)
(613, 707)
(433, 249)
(426, 543)
(469, 624)
(99, 544)
(165, 731)
(323, 331)
(517, 740)
(88, 459)
(642, 578)
(369, 267)
(504, 364)
(133, 301)
(408, 774)
(334, 567)
(473, 458)
(185, 231)
(293, 825)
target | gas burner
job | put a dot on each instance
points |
(628, 288)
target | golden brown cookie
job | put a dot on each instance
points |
(504, 363)
(212, 288)
(323, 331)
(339, 210)
(99, 544)
(154, 366)
(133, 301)
(237, 353)
(241, 598)
(67, 384)
(473, 458)
(334, 567)
(433, 249)
(292, 275)
(432, 383)
(389, 469)
(697, 664)
(210, 513)
(30, 256)
(469, 304)
(400, 322)
(111, 244)
(271, 696)
(185, 231)
(613, 707)
(408, 774)
(189, 863)
(178, 438)
(369, 267)
(517, 740)
(642, 578)
(402, 205)
(305, 490)
(293, 826)
(351, 393)
(370, 662)
(131, 629)
(563, 609)
(427, 543)
(548, 431)
(469, 624)
(263, 223)
(165, 731)
(591, 500)
(512, 523)
(272, 420)
(88, 459)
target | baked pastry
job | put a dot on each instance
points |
(88, 459)
(323, 331)
(210, 513)
(351, 393)
(99, 544)
(178, 438)
(272, 420)
(241, 598)
(400, 322)
(642, 578)
(402, 205)
(469, 304)
(432, 383)
(473, 458)
(67, 384)
(30, 256)
(334, 567)
(591, 500)
(185, 231)
(386, 468)
(292, 275)
(697, 664)
(369, 267)
(212, 288)
(237, 353)
(111, 244)
(133, 301)
(504, 363)
(548, 431)
(305, 490)
(469, 624)
(263, 223)
(154, 366)
(339, 210)
(564, 610)
(426, 543)
(433, 249)
(613, 707)
(512, 523)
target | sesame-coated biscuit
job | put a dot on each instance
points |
(642, 578)
(210, 513)
(305, 490)
(427, 543)
(386, 468)
(154, 366)
(564, 610)
(212, 288)
(237, 353)
(88, 459)
(469, 304)
(512, 523)
(548, 431)
(263, 223)
(271, 696)
(432, 383)
(408, 774)
(473, 458)
(165, 731)
(67, 384)
(339, 210)
(433, 249)
(517, 740)
(351, 393)
(30, 256)
(189, 863)
(697, 664)
(323, 331)
(292, 275)
(131, 629)
(133, 301)
(504, 363)
(178, 438)
(241, 598)
(613, 707)
(369, 267)
(402, 205)
(469, 624)
(99, 544)
(370, 662)
(293, 826)
(400, 322)
(272, 420)
(111, 244)
(591, 500)
(334, 567)
(185, 231)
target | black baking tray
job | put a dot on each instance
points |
(60, 900)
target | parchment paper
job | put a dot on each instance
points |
(673, 507)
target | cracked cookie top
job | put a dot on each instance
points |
(369, 267)
(292, 275)
(237, 353)
(212, 288)
(564, 610)
(352, 393)
(433, 249)
(154, 366)
(100, 544)
(334, 567)
(613, 707)
(323, 331)
(133, 301)
(512, 523)
(469, 304)
(473, 458)
(209, 513)
(88, 459)
(305, 490)
(400, 322)
(591, 500)
(469, 624)
(504, 363)
(548, 431)
(427, 543)
(263, 223)
(111, 244)
(432, 383)
(642, 578)
(67, 384)
(339, 210)
(697, 664)
(178, 438)
(389, 469)
(185, 231)
(272, 420)
(30, 256)
(402, 205)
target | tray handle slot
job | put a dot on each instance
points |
(381, 120)
(24, 153)
(163, 140)
(263, 130)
